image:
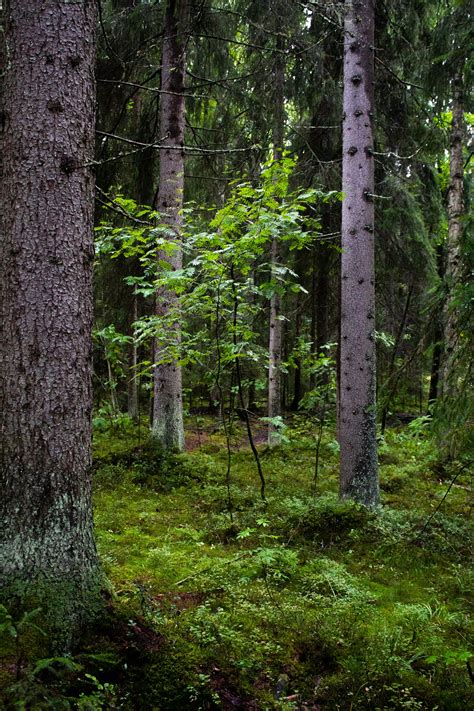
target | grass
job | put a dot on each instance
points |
(299, 602)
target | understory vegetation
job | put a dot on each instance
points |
(298, 602)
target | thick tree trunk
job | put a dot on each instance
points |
(359, 473)
(453, 270)
(168, 428)
(275, 336)
(47, 550)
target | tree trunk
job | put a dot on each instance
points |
(297, 391)
(437, 337)
(314, 306)
(132, 385)
(392, 381)
(275, 336)
(320, 300)
(168, 428)
(359, 472)
(455, 230)
(47, 550)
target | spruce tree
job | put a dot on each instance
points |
(47, 550)
(359, 473)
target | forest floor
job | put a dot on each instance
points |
(298, 602)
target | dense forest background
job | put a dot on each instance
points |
(251, 72)
(281, 402)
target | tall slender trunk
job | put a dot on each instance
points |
(321, 267)
(322, 305)
(453, 270)
(168, 428)
(359, 471)
(275, 336)
(392, 383)
(437, 336)
(297, 391)
(47, 550)
(312, 327)
(132, 385)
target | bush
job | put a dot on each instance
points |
(326, 519)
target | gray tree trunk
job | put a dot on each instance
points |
(132, 385)
(453, 267)
(275, 336)
(359, 472)
(46, 252)
(168, 428)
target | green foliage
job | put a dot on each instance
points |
(226, 270)
(48, 682)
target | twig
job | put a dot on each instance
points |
(186, 149)
(110, 204)
(390, 71)
(241, 393)
(153, 89)
(451, 484)
(221, 402)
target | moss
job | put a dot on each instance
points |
(208, 612)
(52, 613)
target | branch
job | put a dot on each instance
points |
(390, 71)
(153, 89)
(186, 149)
(242, 44)
(110, 204)
(451, 484)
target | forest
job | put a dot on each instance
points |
(236, 355)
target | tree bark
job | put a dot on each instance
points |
(453, 271)
(437, 337)
(168, 428)
(357, 435)
(297, 389)
(321, 265)
(47, 550)
(132, 384)
(275, 335)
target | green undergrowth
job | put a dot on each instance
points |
(300, 601)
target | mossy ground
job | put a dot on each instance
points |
(319, 603)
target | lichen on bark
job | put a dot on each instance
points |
(46, 252)
(168, 427)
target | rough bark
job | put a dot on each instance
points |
(453, 270)
(46, 253)
(275, 335)
(359, 472)
(168, 427)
